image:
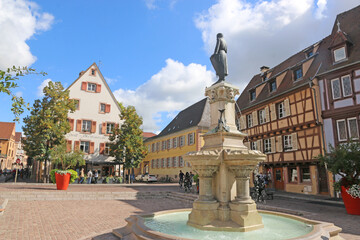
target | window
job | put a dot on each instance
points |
(109, 128)
(158, 146)
(85, 147)
(175, 141)
(163, 145)
(168, 143)
(107, 149)
(287, 143)
(267, 145)
(249, 120)
(190, 138)
(102, 107)
(77, 104)
(253, 146)
(175, 162)
(305, 174)
(309, 53)
(278, 176)
(339, 54)
(153, 147)
(346, 85)
(262, 116)
(163, 163)
(272, 86)
(168, 162)
(353, 128)
(281, 110)
(252, 95)
(341, 129)
(293, 174)
(86, 126)
(91, 87)
(182, 141)
(93, 72)
(181, 162)
(298, 74)
(335, 86)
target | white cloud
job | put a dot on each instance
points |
(110, 81)
(19, 21)
(40, 88)
(150, 4)
(173, 88)
(19, 94)
(266, 32)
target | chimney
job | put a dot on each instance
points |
(264, 69)
(81, 73)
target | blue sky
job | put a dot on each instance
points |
(154, 53)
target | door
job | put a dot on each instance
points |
(279, 178)
(323, 180)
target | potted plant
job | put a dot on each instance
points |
(60, 157)
(344, 160)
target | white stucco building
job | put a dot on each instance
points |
(97, 113)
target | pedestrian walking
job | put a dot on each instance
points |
(89, 176)
(96, 176)
(82, 175)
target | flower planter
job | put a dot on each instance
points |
(352, 205)
(62, 181)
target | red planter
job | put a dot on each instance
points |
(62, 181)
(352, 205)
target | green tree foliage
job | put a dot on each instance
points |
(345, 161)
(66, 160)
(8, 83)
(47, 124)
(127, 141)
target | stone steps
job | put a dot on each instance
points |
(65, 195)
(186, 197)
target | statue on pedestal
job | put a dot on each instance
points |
(219, 58)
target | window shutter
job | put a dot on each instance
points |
(255, 118)
(92, 146)
(267, 115)
(102, 147)
(71, 122)
(260, 145)
(77, 145)
(242, 122)
(93, 126)
(98, 88)
(78, 125)
(68, 145)
(103, 128)
(273, 147)
(279, 147)
(294, 142)
(287, 107)
(107, 108)
(247, 144)
(273, 112)
(83, 86)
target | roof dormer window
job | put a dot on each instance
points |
(298, 74)
(93, 72)
(252, 95)
(339, 54)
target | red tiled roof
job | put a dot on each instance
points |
(6, 129)
(18, 136)
(148, 134)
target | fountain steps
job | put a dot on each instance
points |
(185, 197)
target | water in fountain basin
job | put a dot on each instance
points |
(276, 228)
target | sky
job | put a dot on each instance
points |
(154, 54)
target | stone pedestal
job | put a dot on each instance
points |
(223, 161)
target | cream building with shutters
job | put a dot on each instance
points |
(97, 113)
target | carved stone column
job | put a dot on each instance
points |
(242, 177)
(206, 176)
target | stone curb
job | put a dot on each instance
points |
(3, 206)
(308, 199)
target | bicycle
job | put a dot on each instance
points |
(181, 183)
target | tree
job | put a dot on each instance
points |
(127, 140)
(345, 161)
(8, 83)
(60, 156)
(47, 124)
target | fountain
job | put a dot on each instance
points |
(224, 209)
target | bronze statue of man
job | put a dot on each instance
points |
(219, 58)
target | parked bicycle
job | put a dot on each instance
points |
(259, 193)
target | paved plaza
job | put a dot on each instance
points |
(84, 218)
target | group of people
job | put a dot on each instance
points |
(186, 180)
(92, 176)
(10, 175)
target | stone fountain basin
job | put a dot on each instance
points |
(136, 227)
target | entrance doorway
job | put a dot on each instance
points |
(323, 180)
(279, 178)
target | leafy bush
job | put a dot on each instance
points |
(73, 173)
